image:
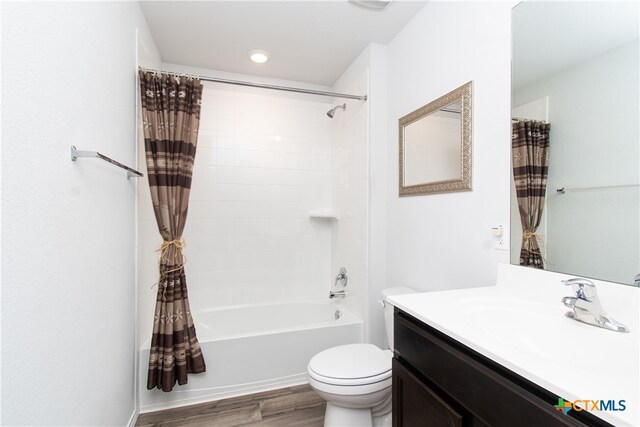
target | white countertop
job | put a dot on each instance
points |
(520, 324)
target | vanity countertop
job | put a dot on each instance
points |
(520, 324)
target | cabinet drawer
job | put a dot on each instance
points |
(417, 405)
(488, 395)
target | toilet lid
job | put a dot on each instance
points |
(351, 361)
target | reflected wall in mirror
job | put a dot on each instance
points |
(576, 67)
(435, 145)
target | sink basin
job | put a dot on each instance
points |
(537, 330)
(512, 321)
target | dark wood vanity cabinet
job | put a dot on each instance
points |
(439, 382)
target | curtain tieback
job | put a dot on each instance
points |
(529, 235)
(178, 260)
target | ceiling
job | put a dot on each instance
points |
(309, 41)
(549, 37)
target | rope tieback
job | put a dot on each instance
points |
(531, 237)
(177, 260)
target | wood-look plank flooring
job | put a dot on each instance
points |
(291, 406)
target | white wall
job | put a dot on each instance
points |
(263, 163)
(372, 64)
(593, 142)
(68, 228)
(148, 57)
(349, 185)
(444, 241)
(378, 184)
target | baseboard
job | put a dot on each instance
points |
(134, 418)
(212, 395)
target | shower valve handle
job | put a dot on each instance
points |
(342, 278)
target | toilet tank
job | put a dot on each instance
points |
(388, 309)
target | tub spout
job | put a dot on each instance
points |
(337, 294)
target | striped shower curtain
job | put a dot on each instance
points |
(530, 150)
(170, 116)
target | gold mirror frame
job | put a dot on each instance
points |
(463, 94)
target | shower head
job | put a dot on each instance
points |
(331, 112)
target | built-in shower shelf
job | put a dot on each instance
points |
(325, 215)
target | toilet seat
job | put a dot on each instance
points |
(350, 390)
(349, 381)
(351, 365)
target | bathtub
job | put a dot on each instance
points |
(254, 348)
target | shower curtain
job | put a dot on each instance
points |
(530, 150)
(170, 117)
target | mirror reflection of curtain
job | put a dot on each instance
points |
(171, 115)
(530, 151)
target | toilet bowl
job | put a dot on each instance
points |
(355, 379)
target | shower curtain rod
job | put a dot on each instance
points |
(266, 86)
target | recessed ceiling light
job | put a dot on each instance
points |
(259, 56)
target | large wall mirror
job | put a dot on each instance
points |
(435, 145)
(576, 68)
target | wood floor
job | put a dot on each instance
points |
(291, 406)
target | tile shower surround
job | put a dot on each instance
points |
(262, 163)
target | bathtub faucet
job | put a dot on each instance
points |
(337, 294)
(341, 277)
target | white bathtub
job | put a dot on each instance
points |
(254, 348)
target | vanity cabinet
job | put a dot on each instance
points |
(438, 381)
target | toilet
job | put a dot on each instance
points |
(355, 379)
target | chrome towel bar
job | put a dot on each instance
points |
(75, 153)
(602, 187)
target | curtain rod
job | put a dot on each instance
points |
(524, 119)
(265, 86)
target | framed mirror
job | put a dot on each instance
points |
(435, 145)
(576, 67)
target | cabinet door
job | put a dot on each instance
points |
(415, 405)
(480, 389)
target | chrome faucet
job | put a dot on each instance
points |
(342, 279)
(586, 306)
(337, 294)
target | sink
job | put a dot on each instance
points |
(537, 330)
(513, 322)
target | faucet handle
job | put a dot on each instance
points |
(584, 288)
(342, 277)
